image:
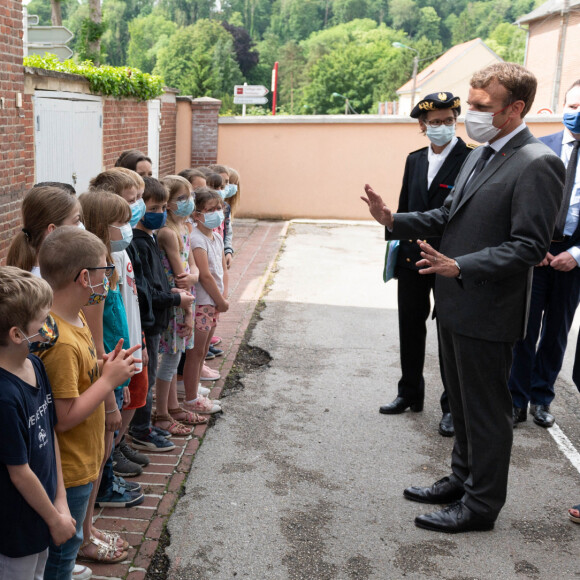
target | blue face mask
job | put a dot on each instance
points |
(231, 190)
(153, 220)
(185, 207)
(120, 245)
(572, 122)
(440, 135)
(137, 212)
(213, 220)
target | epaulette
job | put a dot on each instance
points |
(472, 145)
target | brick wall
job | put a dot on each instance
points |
(167, 145)
(541, 57)
(16, 146)
(204, 131)
(125, 126)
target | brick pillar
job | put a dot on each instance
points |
(16, 130)
(204, 131)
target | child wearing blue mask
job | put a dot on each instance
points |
(211, 292)
(182, 273)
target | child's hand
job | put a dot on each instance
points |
(229, 260)
(184, 280)
(223, 306)
(185, 330)
(113, 421)
(126, 397)
(187, 299)
(119, 365)
(62, 529)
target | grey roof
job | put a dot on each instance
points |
(546, 9)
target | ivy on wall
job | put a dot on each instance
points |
(107, 80)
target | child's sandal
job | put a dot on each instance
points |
(190, 417)
(114, 540)
(105, 552)
(176, 428)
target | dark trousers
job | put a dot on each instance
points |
(413, 292)
(477, 373)
(141, 422)
(553, 304)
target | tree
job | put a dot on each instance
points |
(200, 60)
(56, 12)
(291, 75)
(429, 24)
(404, 15)
(186, 12)
(347, 10)
(509, 42)
(244, 46)
(297, 19)
(147, 35)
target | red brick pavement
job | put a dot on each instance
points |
(257, 244)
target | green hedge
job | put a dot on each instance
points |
(107, 80)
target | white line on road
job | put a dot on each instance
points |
(565, 446)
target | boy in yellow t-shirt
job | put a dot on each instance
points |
(73, 262)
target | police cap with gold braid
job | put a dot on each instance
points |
(435, 101)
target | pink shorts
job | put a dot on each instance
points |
(206, 317)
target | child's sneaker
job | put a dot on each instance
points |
(161, 432)
(215, 340)
(208, 374)
(152, 442)
(132, 455)
(210, 355)
(203, 391)
(128, 485)
(202, 406)
(123, 467)
(120, 497)
(81, 572)
(216, 351)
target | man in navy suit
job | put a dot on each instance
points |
(429, 176)
(555, 288)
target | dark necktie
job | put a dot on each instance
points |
(568, 187)
(485, 155)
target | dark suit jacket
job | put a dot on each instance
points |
(497, 229)
(415, 196)
(554, 142)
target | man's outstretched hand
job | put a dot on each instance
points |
(377, 207)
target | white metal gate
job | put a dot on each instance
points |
(154, 128)
(68, 137)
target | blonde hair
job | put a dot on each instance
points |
(219, 169)
(116, 180)
(41, 207)
(101, 209)
(235, 199)
(175, 184)
(66, 252)
(518, 81)
(22, 295)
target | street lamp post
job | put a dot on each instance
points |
(415, 67)
(347, 106)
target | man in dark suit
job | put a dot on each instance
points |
(555, 289)
(495, 226)
(429, 176)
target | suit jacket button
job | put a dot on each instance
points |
(408, 259)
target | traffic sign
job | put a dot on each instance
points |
(250, 100)
(58, 35)
(250, 91)
(62, 52)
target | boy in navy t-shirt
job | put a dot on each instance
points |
(34, 505)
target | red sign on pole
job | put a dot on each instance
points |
(274, 87)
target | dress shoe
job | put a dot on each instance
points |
(446, 428)
(454, 519)
(443, 491)
(400, 405)
(520, 414)
(542, 415)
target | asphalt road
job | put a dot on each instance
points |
(302, 478)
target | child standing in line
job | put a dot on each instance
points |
(195, 177)
(129, 185)
(211, 290)
(107, 215)
(73, 262)
(31, 485)
(233, 193)
(44, 208)
(156, 302)
(182, 273)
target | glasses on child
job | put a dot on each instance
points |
(109, 269)
(438, 122)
